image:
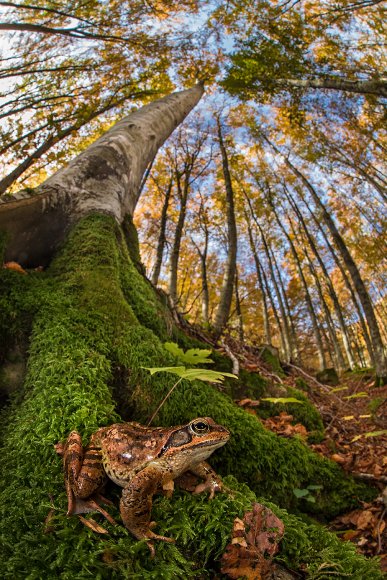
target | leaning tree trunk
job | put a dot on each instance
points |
(105, 178)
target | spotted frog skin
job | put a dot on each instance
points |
(142, 460)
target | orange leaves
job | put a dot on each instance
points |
(254, 542)
(15, 267)
(281, 425)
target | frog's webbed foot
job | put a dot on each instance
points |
(211, 482)
(85, 506)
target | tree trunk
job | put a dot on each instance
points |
(372, 87)
(308, 300)
(365, 300)
(238, 309)
(265, 312)
(331, 290)
(162, 238)
(346, 281)
(104, 178)
(175, 253)
(226, 292)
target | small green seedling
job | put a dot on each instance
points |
(283, 400)
(306, 492)
(192, 356)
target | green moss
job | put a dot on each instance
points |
(84, 328)
(273, 361)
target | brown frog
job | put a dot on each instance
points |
(141, 460)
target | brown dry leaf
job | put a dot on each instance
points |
(365, 519)
(350, 535)
(15, 267)
(93, 525)
(254, 543)
(339, 458)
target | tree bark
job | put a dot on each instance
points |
(265, 311)
(226, 292)
(328, 281)
(308, 299)
(372, 87)
(365, 300)
(104, 178)
(162, 238)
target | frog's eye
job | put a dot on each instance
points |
(200, 427)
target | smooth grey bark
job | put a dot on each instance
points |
(175, 253)
(184, 177)
(308, 299)
(226, 292)
(104, 178)
(284, 346)
(203, 265)
(265, 311)
(344, 275)
(371, 87)
(238, 308)
(295, 356)
(365, 300)
(161, 241)
(338, 355)
(328, 281)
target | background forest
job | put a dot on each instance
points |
(261, 228)
(295, 98)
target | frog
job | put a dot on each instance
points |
(142, 461)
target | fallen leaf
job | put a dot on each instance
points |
(93, 525)
(365, 520)
(15, 267)
(254, 542)
(338, 458)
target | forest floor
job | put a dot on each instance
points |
(355, 419)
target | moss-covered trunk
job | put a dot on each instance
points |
(97, 323)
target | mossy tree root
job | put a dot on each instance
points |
(92, 313)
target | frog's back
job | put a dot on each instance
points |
(127, 448)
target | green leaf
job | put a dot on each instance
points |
(337, 389)
(357, 396)
(370, 434)
(192, 374)
(301, 492)
(283, 400)
(193, 356)
(314, 487)
(179, 371)
(311, 499)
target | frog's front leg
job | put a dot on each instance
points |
(84, 472)
(212, 481)
(136, 505)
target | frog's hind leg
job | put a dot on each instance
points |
(84, 472)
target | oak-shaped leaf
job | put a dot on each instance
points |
(254, 542)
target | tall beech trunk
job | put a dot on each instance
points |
(289, 318)
(308, 299)
(182, 190)
(104, 178)
(338, 355)
(344, 275)
(238, 309)
(226, 292)
(162, 237)
(265, 311)
(365, 300)
(328, 281)
(371, 87)
(281, 330)
(285, 324)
